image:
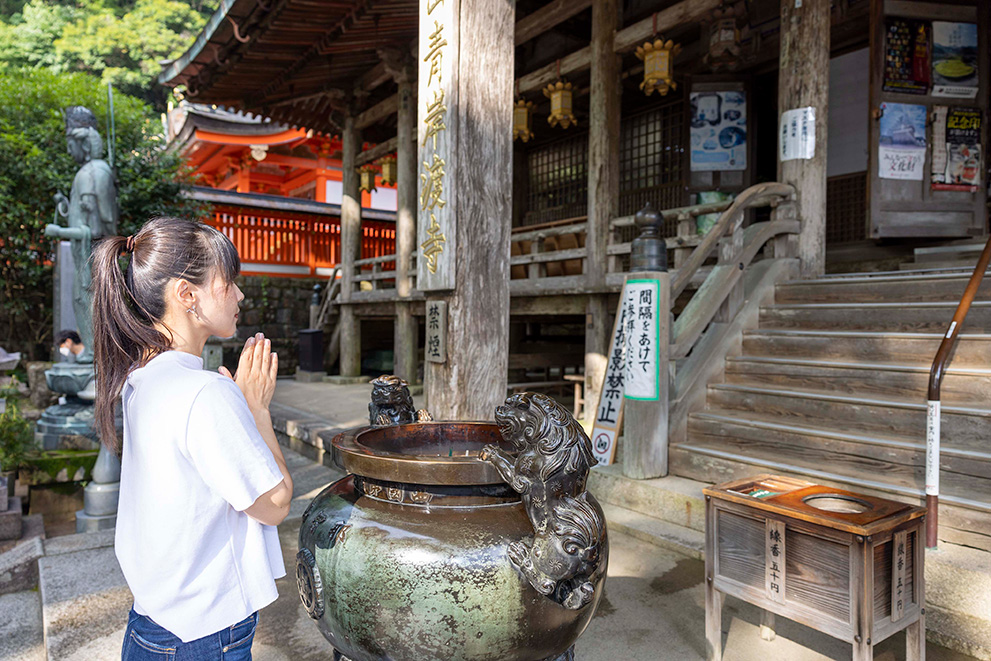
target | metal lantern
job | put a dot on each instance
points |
(367, 173)
(522, 116)
(724, 37)
(658, 62)
(389, 170)
(560, 94)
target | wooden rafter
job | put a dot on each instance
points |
(543, 19)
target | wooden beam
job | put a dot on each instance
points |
(686, 11)
(543, 19)
(377, 75)
(376, 152)
(378, 112)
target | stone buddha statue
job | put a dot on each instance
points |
(91, 212)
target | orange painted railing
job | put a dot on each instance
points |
(294, 244)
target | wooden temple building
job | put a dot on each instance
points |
(780, 140)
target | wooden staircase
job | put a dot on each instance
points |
(831, 386)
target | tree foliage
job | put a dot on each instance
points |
(120, 42)
(34, 164)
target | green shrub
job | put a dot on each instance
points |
(16, 437)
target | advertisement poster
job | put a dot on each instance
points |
(902, 148)
(955, 59)
(718, 131)
(956, 162)
(906, 56)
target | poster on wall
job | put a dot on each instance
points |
(955, 59)
(906, 56)
(956, 161)
(718, 131)
(902, 147)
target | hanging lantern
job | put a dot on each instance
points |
(724, 38)
(522, 116)
(390, 170)
(367, 173)
(658, 63)
(560, 95)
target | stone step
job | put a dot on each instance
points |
(673, 499)
(85, 600)
(871, 379)
(973, 350)
(21, 631)
(655, 531)
(917, 316)
(908, 287)
(19, 566)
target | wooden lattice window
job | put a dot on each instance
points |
(846, 204)
(650, 160)
(558, 180)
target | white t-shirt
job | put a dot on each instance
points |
(193, 461)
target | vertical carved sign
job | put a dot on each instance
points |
(899, 560)
(437, 132)
(436, 345)
(609, 412)
(774, 560)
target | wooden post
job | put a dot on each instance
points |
(803, 81)
(477, 185)
(603, 188)
(350, 355)
(645, 422)
(406, 330)
(713, 597)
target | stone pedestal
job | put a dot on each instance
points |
(67, 426)
(341, 380)
(11, 521)
(304, 376)
(101, 496)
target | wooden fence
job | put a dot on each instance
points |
(294, 244)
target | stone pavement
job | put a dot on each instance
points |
(652, 609)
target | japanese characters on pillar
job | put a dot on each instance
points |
(436, 344)
(609, 413)
(642, 373)
(436, 142)
(774, 560)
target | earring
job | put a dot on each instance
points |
(193, 312)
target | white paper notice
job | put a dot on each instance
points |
(798, 134)
(894, 163)
(642, 340)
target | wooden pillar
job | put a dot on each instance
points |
(603, 190)
(478, 152)
(804, 82)
(406, 330)
(350, 250)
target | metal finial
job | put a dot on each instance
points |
(649, 251)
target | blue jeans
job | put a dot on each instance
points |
(146, 641)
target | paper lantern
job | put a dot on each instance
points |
(560, 94)
(390, 170)
(724, 37)
(522, 117)
(367, 173)
(658, 65)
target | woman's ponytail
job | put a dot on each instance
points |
(123, 335)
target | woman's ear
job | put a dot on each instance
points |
(183, 293)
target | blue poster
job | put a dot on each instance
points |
(902, 144)
(718, 131)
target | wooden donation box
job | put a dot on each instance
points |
(845, 564)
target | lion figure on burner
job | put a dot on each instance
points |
(392, 403)
(566, 558)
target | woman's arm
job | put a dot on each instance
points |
(255, 376)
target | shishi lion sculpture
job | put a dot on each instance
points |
(392, 403)
(567, 557)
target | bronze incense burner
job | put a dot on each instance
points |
(457, 540)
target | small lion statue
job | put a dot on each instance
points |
(392, 404)
(567, 557)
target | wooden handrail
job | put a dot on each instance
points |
(942, 360)
(729, 222)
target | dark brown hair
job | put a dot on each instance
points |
(129, 300)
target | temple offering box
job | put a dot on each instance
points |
(846, 564)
